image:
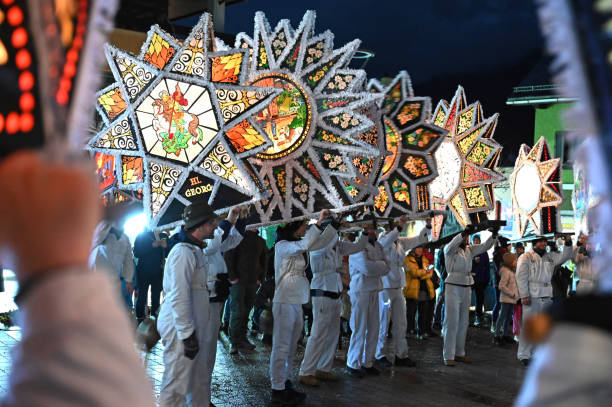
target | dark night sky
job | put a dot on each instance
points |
(488, 46)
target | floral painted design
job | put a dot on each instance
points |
(479, 153)
(344, 121)
(474, 197)
(363, 165)
(339, 83)
(420, 138)
(280, 177)
(307, 161)
(279, 43)
(381, 200)
(324, 135)
(409, 113)
(314, 78)
(393, 97)
(465, 120)
(314, 53)
(417, 166)
(473, 174)
(401, 191)
(262, 62)
(334, 162)
(300, 188)
(328, 104)
(370, 136)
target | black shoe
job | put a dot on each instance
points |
(407, 362)
(300, 396)
(354, 372)
(384, 362)
(371, 371)
(282, 398)
(233, 349)
(525, 362)
(246, 345)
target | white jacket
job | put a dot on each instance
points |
(458, 261)
(214, 250)
(292, 286)
(87, 357)
(396, 248)
(185, 277)
(584, 271)
(533, 273)
(112, 256)
(326, 263)
(367, 267)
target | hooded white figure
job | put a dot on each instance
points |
(226, 238)
(325, 289)
(584, 267)
(458, 257)
(533, 275)
(366, 268)
(184, 315)
(112, 254)
(291, 292)
(392, 304)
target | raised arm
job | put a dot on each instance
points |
(410, 243)
(347, 248)
(370, 267)
(565, 255)
(388, 239)
(453, 246)
(481, 248)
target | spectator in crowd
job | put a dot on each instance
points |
(150, 253)
(247, 265)
(419, 288)
(509, 296)
(481, 272)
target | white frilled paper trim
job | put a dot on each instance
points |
(298, 190)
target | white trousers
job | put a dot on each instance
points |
(457, 301)
(392, 307)
(288, 324)
(525, 348)
(364, 324)
(210, 340)
(321, 346)
(184, 382)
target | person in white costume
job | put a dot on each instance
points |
(88, 356)
(533, 275)
(226, 237)
(291, 292)
(392, 304)
(366, 268)
(458, 257)
(185, 313)
(112, 254)
(325, 289)
(584, 266)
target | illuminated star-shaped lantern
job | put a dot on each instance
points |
(402, 176)
(314, 124)
(467, 160)
(179, 121)
(536, 189)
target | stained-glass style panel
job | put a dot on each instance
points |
(415, 166)
(480, 153)
(226, 68)
(132, 170)
(475, 197)
(220, 163)
(159, 52)
(162, 180)
(244, 137)
(400, 190)
(176, 120)
(235, 102)
(112, 103)
(381, 200)
(135, 77)
(287, 119)
(420, 138)
(392, 140)
(192, 57)
(105, 170)
(118, 137)
(449, 167)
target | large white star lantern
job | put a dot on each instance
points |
(467, 160)
(180, 121)
(315, 124)
(536, 190)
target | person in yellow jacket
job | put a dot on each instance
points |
(419, 289)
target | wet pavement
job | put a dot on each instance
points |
(493, 379)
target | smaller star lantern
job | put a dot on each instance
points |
(536, 189)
